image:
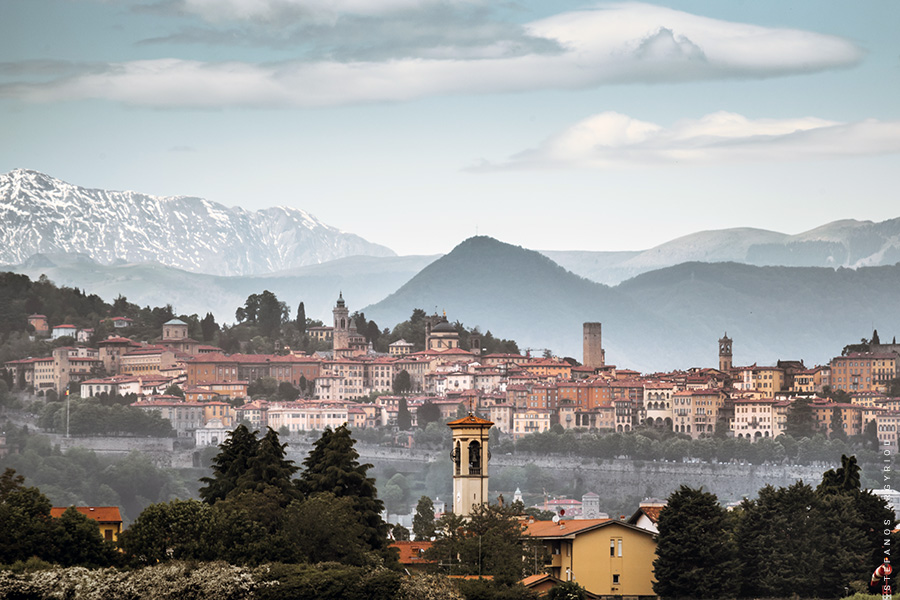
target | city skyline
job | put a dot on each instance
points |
(416, 123)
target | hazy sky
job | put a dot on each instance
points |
(415, 123)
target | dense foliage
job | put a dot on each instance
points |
(487, 542)
(27, 530)
(81, 477)
(788, 542)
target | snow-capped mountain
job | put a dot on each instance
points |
(41, 214)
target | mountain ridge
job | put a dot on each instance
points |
(44, 215)
(667, 318)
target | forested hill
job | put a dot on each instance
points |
(670, 318)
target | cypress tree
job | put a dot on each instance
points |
(404, 419)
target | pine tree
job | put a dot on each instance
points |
(695, 554)
(229, 464)
(332, 466)
(268, 467)
(776, 532)
(875, 341)
(423, 520)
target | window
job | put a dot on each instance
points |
(615, 579)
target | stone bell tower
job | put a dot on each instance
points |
(470, 457)
(725, 354)
(340, 339)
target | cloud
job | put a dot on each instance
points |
(618, 44)
(217, 11)
(613, 140)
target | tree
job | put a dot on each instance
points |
(800, 421)
(567, 590)
(837, 424)
(332, 466)
(178, 530)
(323, 528)
(268, 468)
(174, 390)
(229, 464)
(265, 311)
(404, 419)
(402, 383)
(423, 520)
(695, 554)
(875, 341)
(287, 392)
(487, 542)
(776, 532)
(428, 412)
(301, 318)
(209, 327)
(400, 533)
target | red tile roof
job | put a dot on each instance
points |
(101, 514)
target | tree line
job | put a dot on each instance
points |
(795, 541)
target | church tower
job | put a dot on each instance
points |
(470, 457)
(341, 334)
(725, 354)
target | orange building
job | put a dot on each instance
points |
(863, 371)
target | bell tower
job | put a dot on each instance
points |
(340, 339)
(470, 456)
(725, 354)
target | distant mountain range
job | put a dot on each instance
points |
(846, 243)
(667, 308)
(668, 318)
(43, 215)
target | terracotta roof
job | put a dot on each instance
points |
(561, 529)
(411, 552)
(101, 514)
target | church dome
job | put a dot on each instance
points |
(443, 327)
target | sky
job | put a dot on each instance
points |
(419, 123)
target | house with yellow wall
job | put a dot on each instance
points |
(108, 518)
(607, 557)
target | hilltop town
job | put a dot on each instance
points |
(437, 378)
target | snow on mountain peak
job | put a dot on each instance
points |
(42, 214)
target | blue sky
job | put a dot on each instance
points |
(417, 123)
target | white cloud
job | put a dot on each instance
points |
(618, 44)
(613, 140)
(269, 10)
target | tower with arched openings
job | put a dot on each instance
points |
(470, 456)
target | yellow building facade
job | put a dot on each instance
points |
(605, 556)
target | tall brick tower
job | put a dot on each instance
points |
(593, 346)
(725, 353)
